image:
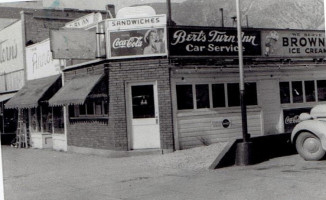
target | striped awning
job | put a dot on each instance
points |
(5, 97)
(75, 91)
(32, 93)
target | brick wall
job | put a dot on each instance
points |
(114, 135)
(135, 71)
(90, 134)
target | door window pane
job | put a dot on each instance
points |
(184, 97)
(202, 95)
(218, 95)
(297, 92)
(143, 101)
(309, 87)
(285, 92)
(321, 86)
(233, 94)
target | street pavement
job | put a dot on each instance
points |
(33, 174)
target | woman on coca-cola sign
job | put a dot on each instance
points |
(154, 42)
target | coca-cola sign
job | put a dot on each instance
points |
(291, 117)
(137, 43)
(200, 41)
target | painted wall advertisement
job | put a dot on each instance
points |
(39, 61)
(11, 48)
(137, 37)
(200, 41)
(11, 57)
(291, 118)
(288, 43)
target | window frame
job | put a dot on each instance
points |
(210, 90)
(304, 93)
(77, 115)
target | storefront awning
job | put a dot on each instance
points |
(5, 97)
(75, 91)
(32, 92)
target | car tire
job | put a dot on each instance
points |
(309, 146)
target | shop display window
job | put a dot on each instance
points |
(58, 122)
(202, 96)
(220, 98)
(302, 91)
(184, 97)
(46, 119)
(35, 119)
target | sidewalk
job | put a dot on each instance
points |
(46, 175)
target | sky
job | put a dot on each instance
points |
(87, 4)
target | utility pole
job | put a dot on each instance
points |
(243, 153)
(222, 17)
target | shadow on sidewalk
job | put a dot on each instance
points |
(263, 149)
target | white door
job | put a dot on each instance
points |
(145, 131)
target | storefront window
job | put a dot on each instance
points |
(251, 94)
(46, 119)
(297, 92)
(58, 123)
(35, 120)
(51, 121)
(184, 97)
(218, 95)
(93, 108)
(202, 96)
(233, 94)
(90, 108)
(321, 87)
(285, 92)
(310, 91)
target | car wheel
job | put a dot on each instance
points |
(309, 146)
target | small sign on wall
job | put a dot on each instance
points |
(226, 123)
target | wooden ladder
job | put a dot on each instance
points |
(21, 135)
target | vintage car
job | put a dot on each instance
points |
(309, 135)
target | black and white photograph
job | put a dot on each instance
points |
(162, 100)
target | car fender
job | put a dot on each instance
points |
(314, 126)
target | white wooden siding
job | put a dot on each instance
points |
(195, 126)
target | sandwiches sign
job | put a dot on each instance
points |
(136, 37)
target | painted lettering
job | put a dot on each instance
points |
(132, 42)
(8, 51)
(181, 36)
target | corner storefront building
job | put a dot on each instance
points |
(170, 88)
